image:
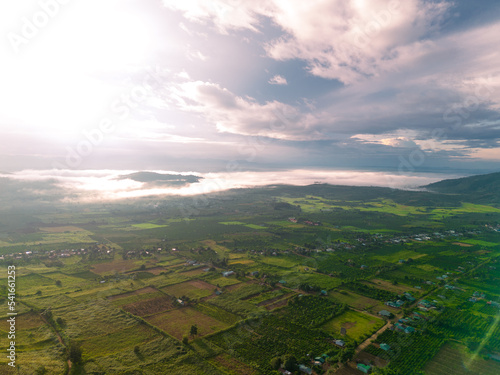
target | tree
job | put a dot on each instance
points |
(194, 330)
(290, 363)
(275, 362)
(75, 353)
(185, 340)
(58, 283)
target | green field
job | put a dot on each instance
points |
(357, 324)
(456, 359)
(117, 298)
(148, 226)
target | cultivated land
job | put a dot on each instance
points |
(251, 278)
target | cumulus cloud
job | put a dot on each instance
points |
(343, 40)
(278, 80)
(234, 114)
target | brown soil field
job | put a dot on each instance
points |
(462, 244)
(150, 306)
(195, 272)
(116, 265)
(62, 229)
(383, 284)
(201, 284)
(148, 289)
(191, 289)
(275, 305)
(155, 270)
(178, 322)
(25, 321)
(275, 299)
(371, 359)
(233, 365)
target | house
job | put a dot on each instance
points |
(340, 343)
(409, 297)
(255, 273)
(305, 369)
(180, 302)
(324, 293)
(227, 273)
(385, 313)
(363, 368)
(385, 347)
(409, 329)
(319, 360)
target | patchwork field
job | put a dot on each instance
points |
(117, 341)
(150, 306)
(232, 365)
(178, 322)
(384, 284)
(193, 289)
(359, 302)
(113, 302)
(109, 268)
(358, 325)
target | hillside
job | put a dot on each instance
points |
(480, 188)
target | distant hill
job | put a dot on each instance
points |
(481, 188)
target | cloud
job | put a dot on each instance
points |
(278, 80)
(31, 186)
(343, 40)
(225, 15)
(245, 116)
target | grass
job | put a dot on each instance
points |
(232, 223)
(224, 281)
(124, 339)
(358, 325)
(191, 289)
(278, 261)
(383, 284)
(456, 359)
(110, 267)
(403, 254)
(95, 318)
(357, 301)
(479, 242)
(178, 322)
(148, 226)
(253, 226)
(439, 213)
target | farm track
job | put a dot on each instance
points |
(369, 340)
(60, 339)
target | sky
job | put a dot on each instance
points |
(226, 87)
